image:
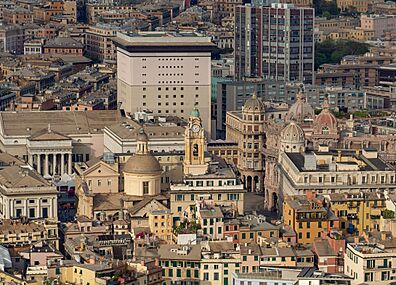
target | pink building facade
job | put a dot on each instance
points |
(380, 24)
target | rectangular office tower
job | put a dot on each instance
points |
(274, 42)
(165, 73)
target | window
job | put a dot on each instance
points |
(178, 272)
(45, 213)
(32, 212)
(170, 272)
(145, 187)
(206, 276)
(216, 276)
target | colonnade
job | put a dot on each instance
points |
(51, 164)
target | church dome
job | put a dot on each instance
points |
(300, 111)
(325, 121)
(292, 133)
(292, 138)
(254, 104)
(142, 164)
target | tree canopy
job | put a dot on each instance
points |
(331, 51)
(325, 8)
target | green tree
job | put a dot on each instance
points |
(360, 114)
(327, 15)
(330, 51)
(388, 214)
(326, 6)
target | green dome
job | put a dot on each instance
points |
(195, 113)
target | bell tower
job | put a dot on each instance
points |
(194, 145)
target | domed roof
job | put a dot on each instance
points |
(325, 118)
(254, 104)
(300, 110)
(292, 133)
(142, 164)
(195, 112)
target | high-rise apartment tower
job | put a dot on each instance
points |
(274, 42)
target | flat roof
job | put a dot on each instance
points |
(163, 42)
(25, 124)
(370, 164)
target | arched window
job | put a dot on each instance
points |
(325, 131)
(195, 150)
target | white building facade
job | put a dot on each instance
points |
(166, 73)
(370, 263)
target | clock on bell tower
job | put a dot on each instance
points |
(194, 142)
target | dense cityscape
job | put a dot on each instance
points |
(186, 142)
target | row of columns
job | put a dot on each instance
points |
(57, 166)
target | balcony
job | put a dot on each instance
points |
(376, 268)
(384, 266)
(352, 216)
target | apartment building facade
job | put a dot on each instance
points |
(275, 42)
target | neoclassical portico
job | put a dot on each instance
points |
(50, 153)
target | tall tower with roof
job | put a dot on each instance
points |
(194, 140)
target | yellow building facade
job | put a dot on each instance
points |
(351, 34)
(306, 216)
(358, 212)
(161, 224)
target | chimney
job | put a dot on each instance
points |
(383, 235)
